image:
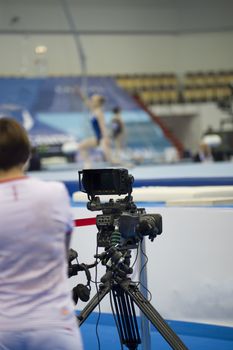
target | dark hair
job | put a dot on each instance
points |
(116, 110)
(14, 144)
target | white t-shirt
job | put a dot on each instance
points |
(35, 217)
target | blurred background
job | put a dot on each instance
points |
(168, 64)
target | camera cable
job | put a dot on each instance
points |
(139, 283)
(99, 309)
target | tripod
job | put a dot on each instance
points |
(126, 295)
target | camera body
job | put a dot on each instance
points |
(105, 181)
(122, 223)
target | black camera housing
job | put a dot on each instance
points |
(122, 223)
(105, 182)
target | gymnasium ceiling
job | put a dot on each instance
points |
(116, 16)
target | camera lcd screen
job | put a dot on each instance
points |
(105, 181)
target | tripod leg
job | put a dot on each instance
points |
(126, 318)
(155, 318)
(103, 290)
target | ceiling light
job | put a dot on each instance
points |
(40, 49)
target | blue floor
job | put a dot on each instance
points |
(195, 336)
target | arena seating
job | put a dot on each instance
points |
(168, 88)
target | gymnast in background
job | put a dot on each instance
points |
(96, 105)
(118, 133)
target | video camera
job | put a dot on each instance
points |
(122, 223)
(121, 227)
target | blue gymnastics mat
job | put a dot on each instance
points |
(196, 336)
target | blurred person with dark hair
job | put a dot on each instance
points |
(36, 309)
(118, 132)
